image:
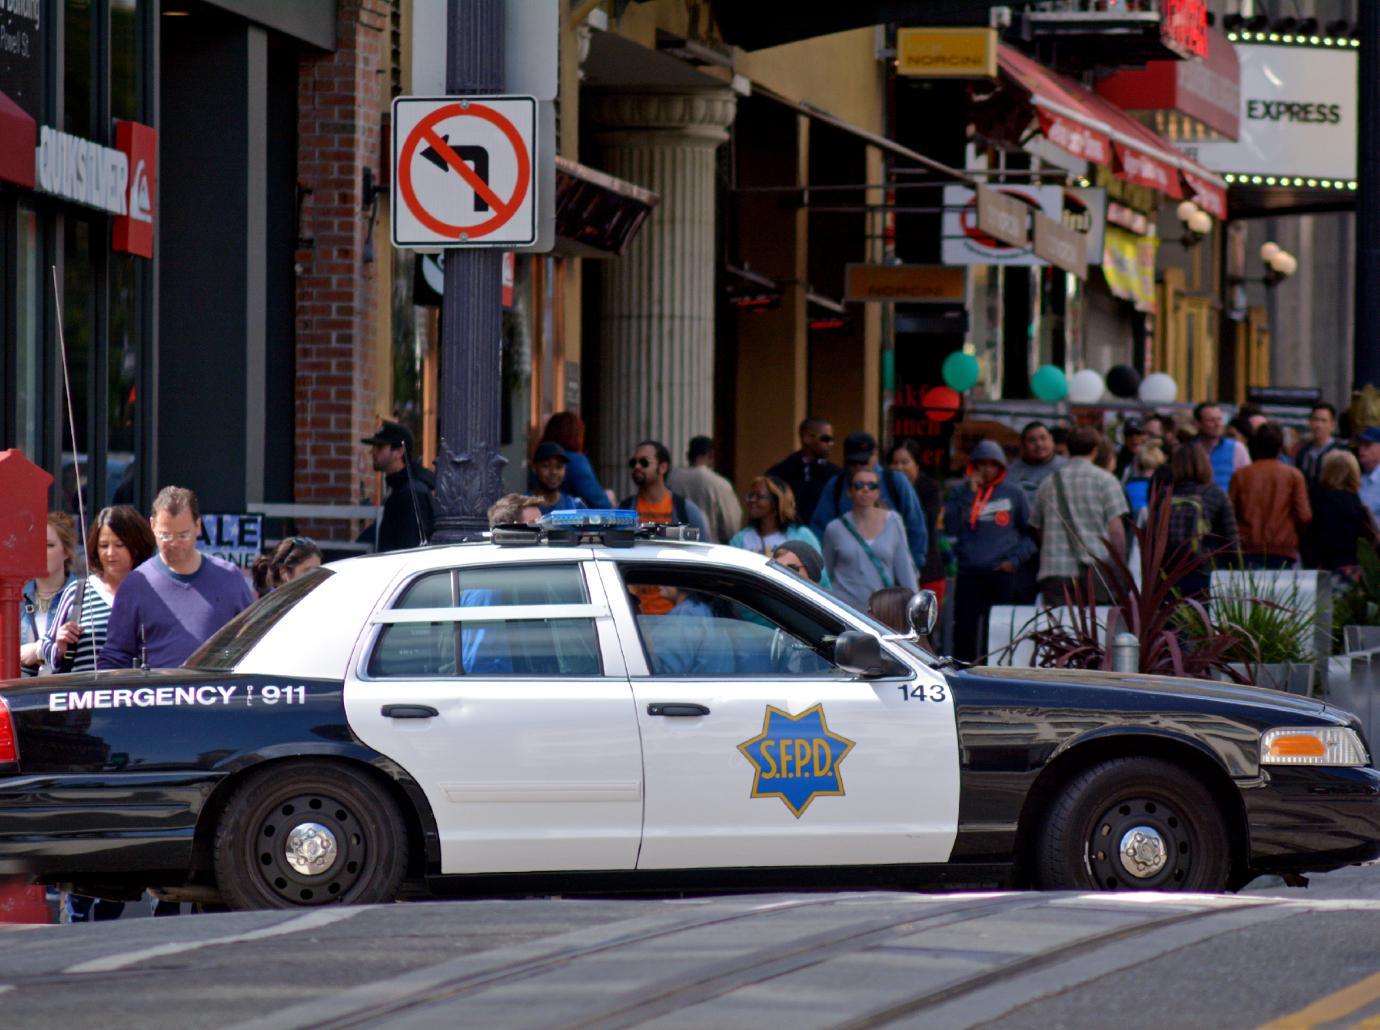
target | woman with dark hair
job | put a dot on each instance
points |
(568, 430)
(1200, 515)
(904, 457)
(292, 557)
(119, 540)
(769, 518)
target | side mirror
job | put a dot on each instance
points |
(922, 612)
(858, 653)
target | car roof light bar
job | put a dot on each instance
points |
(611, 527)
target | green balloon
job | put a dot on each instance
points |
(960, 371)
(1049, 383)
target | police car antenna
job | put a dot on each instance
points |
(71, 415)
(412, 494)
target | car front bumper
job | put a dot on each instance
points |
(1312, 819)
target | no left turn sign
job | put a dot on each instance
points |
(462, 171)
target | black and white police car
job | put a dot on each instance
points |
(573, 700)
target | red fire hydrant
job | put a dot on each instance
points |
(23, 556)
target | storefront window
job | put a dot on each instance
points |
(125, 67)
(79, 322)
(122, 368)
(28, 310)
(79, 110)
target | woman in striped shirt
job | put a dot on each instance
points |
(119, 540)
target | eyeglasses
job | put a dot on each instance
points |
(757, 497)
(865, 484)
(825, 438)
(182, 538)
(633, 463)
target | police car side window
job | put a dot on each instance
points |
(518, 647)
(697, 624)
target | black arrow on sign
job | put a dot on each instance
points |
(475, 156)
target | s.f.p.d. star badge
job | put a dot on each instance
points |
(796, 758)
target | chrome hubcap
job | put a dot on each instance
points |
(310, 849)
(1143, 853)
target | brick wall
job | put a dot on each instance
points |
(340, 98)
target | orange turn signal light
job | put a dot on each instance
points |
(1297, 745)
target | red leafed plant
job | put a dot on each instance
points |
(1148, 612)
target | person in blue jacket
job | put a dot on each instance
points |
(989, 520)
(860, 451)
(568, 430)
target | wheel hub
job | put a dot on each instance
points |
(1143, 852)
(310, 849)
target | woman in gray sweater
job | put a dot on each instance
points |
(866, 549)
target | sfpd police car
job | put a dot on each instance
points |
(572, 699)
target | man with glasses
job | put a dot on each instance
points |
(654, 502)
(173, 603)
(809, 469)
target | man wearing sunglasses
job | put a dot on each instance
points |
(654, 502)
(173, 603)
(809, 469)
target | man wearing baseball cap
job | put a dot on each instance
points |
(548, 466)
(1368, 453)
(860, 451)
(409, 513)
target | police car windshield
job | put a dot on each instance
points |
(881, 630)
(238, 636)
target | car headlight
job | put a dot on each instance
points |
(1312, 745)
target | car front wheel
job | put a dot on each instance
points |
(1138, 824)
(305, 834)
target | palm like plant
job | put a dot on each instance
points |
(1151, 612)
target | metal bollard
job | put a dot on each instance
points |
(1126, 653)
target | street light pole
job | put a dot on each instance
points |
(469, 467)
(1366, 343)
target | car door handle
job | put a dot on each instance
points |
(678, 708)
(409, 712)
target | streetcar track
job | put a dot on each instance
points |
(529, 967)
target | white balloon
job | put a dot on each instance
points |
(1086, 387)
(1159, 388)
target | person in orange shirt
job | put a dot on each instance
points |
(654, 502)
(1270, 499)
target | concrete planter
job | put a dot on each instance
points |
(1290, 677)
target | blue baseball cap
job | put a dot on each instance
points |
(1371, 434)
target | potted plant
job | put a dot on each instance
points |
(1359, 603)
(1147, 608)
(1276, 649)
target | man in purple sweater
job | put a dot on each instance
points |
(173, 603)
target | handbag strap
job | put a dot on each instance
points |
(887, 581)
(1066, 517)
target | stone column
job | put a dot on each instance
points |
(656, 368)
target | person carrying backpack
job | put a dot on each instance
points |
(860, 453)
(1200, 516)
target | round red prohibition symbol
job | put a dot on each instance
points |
(425, 132)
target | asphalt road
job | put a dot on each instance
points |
(797, 960)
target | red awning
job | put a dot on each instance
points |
(1092, 128)
(18, 139)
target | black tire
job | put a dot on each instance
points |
(365, 864)
(1187, 850)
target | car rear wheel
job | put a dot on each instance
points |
(1138, 824)
(303, 834)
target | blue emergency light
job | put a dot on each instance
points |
(589, 519)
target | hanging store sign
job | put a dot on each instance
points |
(1128, 264)
(1081, 210)
(964, 53)
(1003, 217)
(1061, 246)
(1298, 117)
(1196, 98)
(922, 283)
(120, 180)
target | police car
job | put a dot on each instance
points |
(592, 698)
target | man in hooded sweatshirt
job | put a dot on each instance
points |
(989, 521)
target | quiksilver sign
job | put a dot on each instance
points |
(82, 171)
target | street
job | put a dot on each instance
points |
(804, 960)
